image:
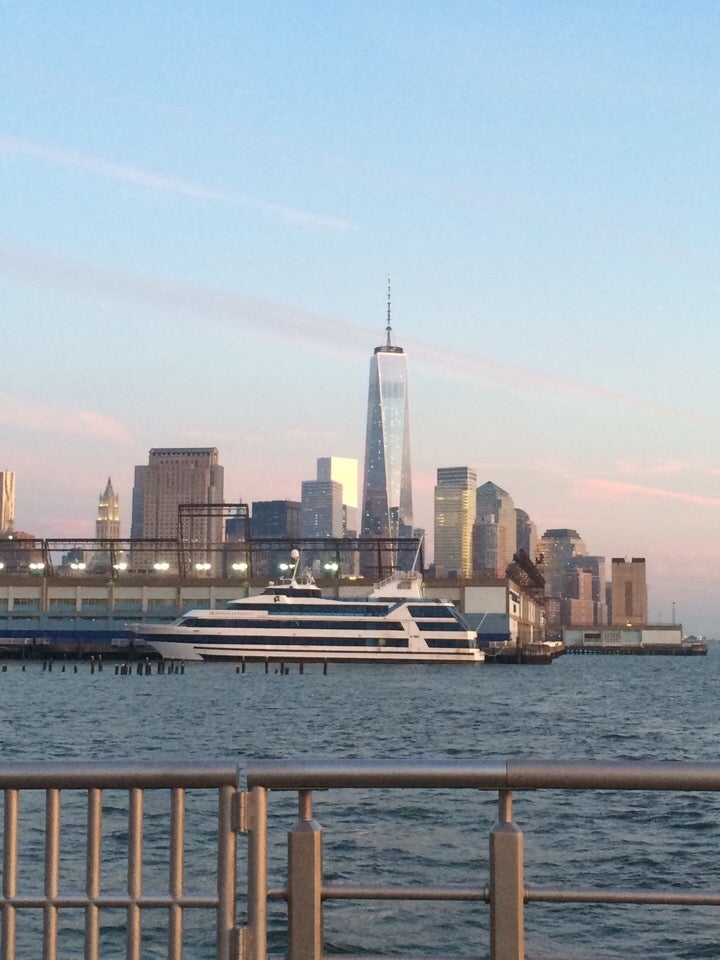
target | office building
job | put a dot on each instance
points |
(629, 592)
(595, 566)
(279, 519)
(556, 548)
(7, 501)
(454, 518)
(526, 534)
(321, 509)
(137, 521)
(387, 509)
(494, 531)
(190, 477)
(343, 470)
(275, 520)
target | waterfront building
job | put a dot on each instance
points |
(629, 592)
(343, 470)
(387, 509)
(454, 519)
(494, 531)
(7, 501)
(526, 534)
(321, 509)
(107, 524)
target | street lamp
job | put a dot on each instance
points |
(36, 567)
(77, 565)
(203, 566)
(332, 568)
(240, 567)
(161, 566)
(120, 566)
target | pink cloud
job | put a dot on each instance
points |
(618, 490)
(60, 421)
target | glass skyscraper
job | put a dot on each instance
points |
(387, 485)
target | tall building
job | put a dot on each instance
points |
(595, 566)
(7, 501)
(454, 519)
(556, 548)
(107, 525)
(321, 509)
(137, 522)
(526, 533)
(387, 486)
(494, 531)
(176, 476)
(343, 470)
(275, 518)
(629, 592)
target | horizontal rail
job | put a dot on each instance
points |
(334, 892)
(84, 776)
(528, 775)
(708, 898)
(79, 900)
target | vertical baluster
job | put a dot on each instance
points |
(226, 871)
(257, 875)
(92, 873)
(177, 863)
(305, 858)
(10, 866)
(52, 864)
(135, 853)
(507, 891)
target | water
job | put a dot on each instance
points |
(622, 708)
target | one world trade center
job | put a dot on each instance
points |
(387, 486)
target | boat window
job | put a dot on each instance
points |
(455, 643)
(286, 623)
(292, 643)
(441, 625)
(432, 610)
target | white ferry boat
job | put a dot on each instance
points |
(292, 621)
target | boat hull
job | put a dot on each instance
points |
(183, 650)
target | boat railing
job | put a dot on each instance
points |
(398, 575)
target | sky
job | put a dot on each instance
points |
(201, 203)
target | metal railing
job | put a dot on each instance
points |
(306, 889)
(92, 779)
(505, 891)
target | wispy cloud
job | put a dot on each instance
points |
(150, 180)
(236, 313)
(37, 417)
(617, 490)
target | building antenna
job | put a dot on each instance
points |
(388, 328)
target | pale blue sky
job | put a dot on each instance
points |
(200, 204)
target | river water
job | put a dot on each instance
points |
(605, 708)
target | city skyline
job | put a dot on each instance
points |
(540, 182)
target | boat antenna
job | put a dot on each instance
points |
(388, 328)
(294, 555)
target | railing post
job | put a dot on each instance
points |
(507, 892)
(305, 920)
(256, 942)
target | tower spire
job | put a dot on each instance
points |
(388, 328)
